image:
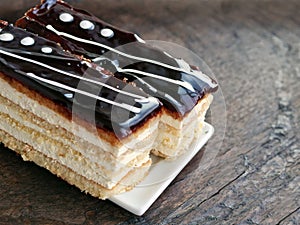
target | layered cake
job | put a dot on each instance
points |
(91, 102)
(73, 117)
(183, 90)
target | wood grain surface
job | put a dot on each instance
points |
(253, 48)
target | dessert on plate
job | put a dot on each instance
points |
(183, 90)
(90, 102)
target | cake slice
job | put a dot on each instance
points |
(184, 91)
(73, 117)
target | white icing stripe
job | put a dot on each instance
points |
(71, 75)
(206, 78)
(54, 83)
(178, 82)
(155, 90)
(139, 39)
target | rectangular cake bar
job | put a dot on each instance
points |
(184, 91)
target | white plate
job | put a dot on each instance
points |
(139, 199)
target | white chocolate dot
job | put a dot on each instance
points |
(6, 37)
(69, 95)
(106, 32)
(27, 41)
(66, 17)
(47, 50)
(87, 25)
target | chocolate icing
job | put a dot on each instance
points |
(45, 20)
(115, 105)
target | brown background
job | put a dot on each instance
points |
(253, 48)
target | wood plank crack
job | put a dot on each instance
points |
(282, 221)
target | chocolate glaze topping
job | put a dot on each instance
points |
(178, 85)
(44, 67)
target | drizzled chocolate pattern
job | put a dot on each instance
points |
(46, 68)
(178, 85)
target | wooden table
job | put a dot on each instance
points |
(253, 48)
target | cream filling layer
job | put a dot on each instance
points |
(173, 142)
(64, 154)
(179, 124)
(93, 153)
(176, 136)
